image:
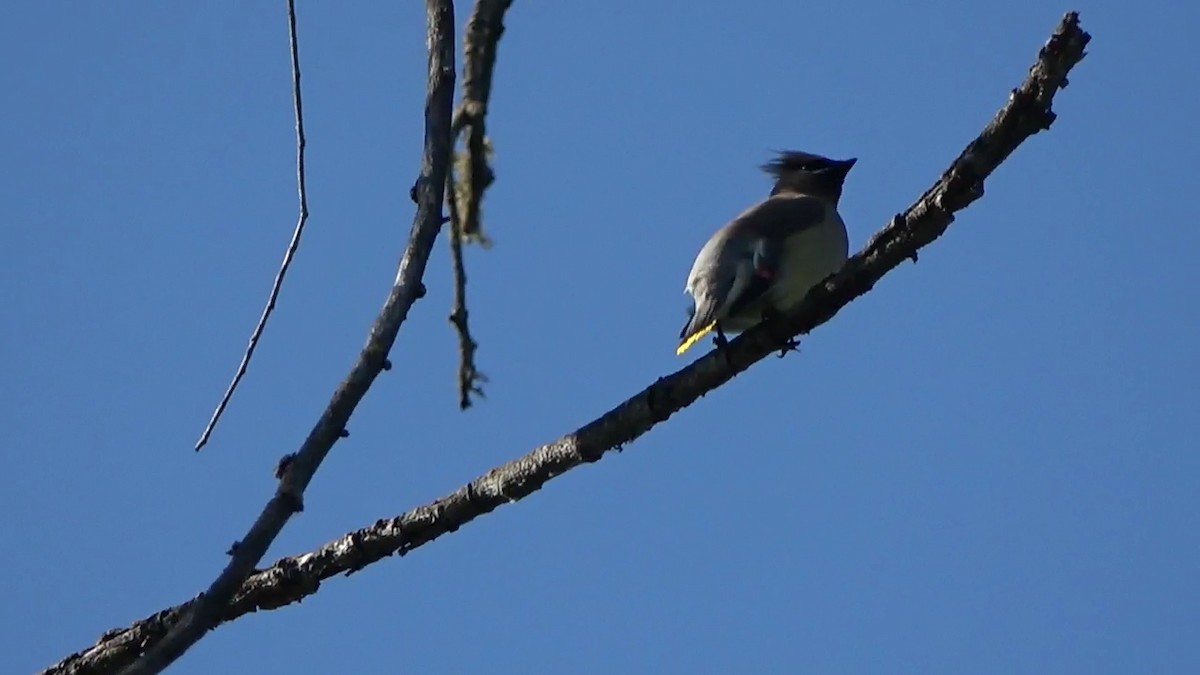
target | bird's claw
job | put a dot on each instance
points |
(722, 344)
(792, 345)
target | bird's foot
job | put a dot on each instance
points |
(792, 345)
(722, 344)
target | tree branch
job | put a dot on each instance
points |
(191, 622)
(290, 253)
(469, 378)
(292, 578)
(474, 172)
(480, 45)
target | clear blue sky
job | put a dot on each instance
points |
(987, 465)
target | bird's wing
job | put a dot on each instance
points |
(769, 224)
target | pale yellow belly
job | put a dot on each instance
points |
(809, 258)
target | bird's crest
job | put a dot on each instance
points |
(806, 173)
(790, 161)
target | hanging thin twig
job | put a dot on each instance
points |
(471, 174)
(469, 378)
(294, 244)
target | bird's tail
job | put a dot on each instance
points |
(690, 338)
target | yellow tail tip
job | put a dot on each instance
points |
(691, 340)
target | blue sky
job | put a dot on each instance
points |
(988, 464)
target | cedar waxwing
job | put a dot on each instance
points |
(767, 258)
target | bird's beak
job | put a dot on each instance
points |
(845, 165)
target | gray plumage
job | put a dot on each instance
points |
(768, 257)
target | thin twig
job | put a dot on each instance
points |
(471, 174)
(296, 470)
(292, 578)
(469, 377)
(292, 245)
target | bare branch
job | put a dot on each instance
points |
(205, 611)
(465, 195)
(469, 378)
(292, 578)
(292, 245)
(480, 45)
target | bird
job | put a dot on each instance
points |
(765, 260)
